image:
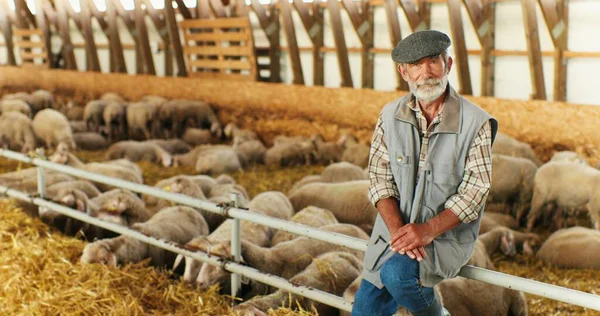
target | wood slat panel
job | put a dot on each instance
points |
(216, 50)
(215, 23)
(27, 32)
(28, 44)
(221, 64)
(216, 75)
(25, 55)
(216, 37)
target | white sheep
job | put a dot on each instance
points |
(568, 156)
(218, 161)
(74, 199)
(93, 115)
(177, 224)
(310, 216)
(115, 119)
(236, 134)
(572, 248)
(347, 200)
(52, 127)
(174, 146)
(77, 126)
(568, 186)
(16, 105)
(250, 151)
(342, 172)
(142, 117)
(123, 208)
(490, 221)
(354, 152)
(190, 158)
(506, 145)
(290, 152)
(90, 141)
(112, 97)
(138, 151)
(326, 153)
(304, 181)
(41, 99)
(197, 136)
(17, 132)
(331, 272)
(85, 186)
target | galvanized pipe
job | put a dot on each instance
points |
(236, 249)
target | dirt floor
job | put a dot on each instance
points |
(40, 273)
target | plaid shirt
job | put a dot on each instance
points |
(476, 182)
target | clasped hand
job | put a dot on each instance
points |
(411, 239)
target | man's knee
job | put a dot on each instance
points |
(399, 268)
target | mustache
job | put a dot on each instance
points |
(430, 81)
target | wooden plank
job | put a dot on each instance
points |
(488, 39)
(215, 23)
(475, 10)
(412, 14)
(88, 34)
(217, 50)
(73, 15)
(5, 26)
(28, 44)
(185, 12)
(161, 27)
(29, 56)
(216, 75)
(270, 25)
(534, 51)
(221, 64)
(27, 32)
(560, 64)
(203, 10)
(340, 42)
(24, 16)
(461, 59)
(217, 8)
(174, 38)
(313, 24)
(290, 34)
(100, 16)
(215, 37)
(117, 58)
(50, 13)
(143, 42)
(391, 10)
(367, 58)
(65, 34)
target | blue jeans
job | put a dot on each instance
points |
(401, 288)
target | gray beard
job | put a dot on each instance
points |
(428, 94)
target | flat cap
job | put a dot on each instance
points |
(419, 45)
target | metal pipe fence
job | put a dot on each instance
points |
(492, 277)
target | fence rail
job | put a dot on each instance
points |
(492, 277)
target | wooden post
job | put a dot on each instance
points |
(65, 34)
(363, 25)
(391, 9)
(460, 47)
(482, 14)
(340, 42)
(50, 13)
(271, 26)
(116, 48)
(43, 26)
(5, 24)
(534, 51)
(144, 44)
(161, 27)
(174, 38)
(313, 24)
(24, 16)
(290, 33)
(418, 19)
(91, 51)
(556, 15)
(185, 12)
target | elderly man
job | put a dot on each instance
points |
(430, 170)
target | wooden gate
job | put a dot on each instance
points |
(31, 46)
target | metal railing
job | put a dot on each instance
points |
(492, 277)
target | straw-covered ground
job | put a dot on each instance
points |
(40, 273)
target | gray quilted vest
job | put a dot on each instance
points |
(441, 175)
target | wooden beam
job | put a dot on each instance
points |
(88, 34)
(534, 51)
(73, 15)
(117, 58)
(271, 26)
(185, 12)
(460, 47)
(45, 28)
(217, 8)
(417, 19)
(203, 10)
(65, 34)
(313, 24)
(363, 26)
(290, 34)
(5, 25)
(391, 10)
(340, 42)
(161, 27)
(174, 39)
(556, 17)
(50, 13)
(486, 33)
(100, 16)
(143, 42)
(24, 16)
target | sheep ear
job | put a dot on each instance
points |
(527, 249)
(507, 244)
(115, 244)
(80, 206)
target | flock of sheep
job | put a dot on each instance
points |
(188, 133)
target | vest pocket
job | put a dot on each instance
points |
(441, 186)
(375, 253)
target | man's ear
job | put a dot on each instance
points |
(449, 64)
(402, 71)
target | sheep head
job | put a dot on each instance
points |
(99, 252)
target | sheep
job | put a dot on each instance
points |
(206, 183)
(490, 221)
(332, 272)
(347, 200)
(310, 216)
(90, 141)
(104, 197)
(74, 199)
(90, 190)
(30, 184)
(195, 114)
(174, 146)
(304, 181)
(78, 126)
(112, 97)
(115, 119)
(62, 156)
(153, 99)
(568, 156)
(568, 186)
(177, 224)
(24, 96)
(124, 209)
(93, 115)
(290, 153)
(41, 99)
(284, 260)
(138, 151)
(251, 151)
(469, 297)
(218, 161)
(350, 293)
(15, 106)
(190, 158)
(354, 152)
(236, 134)
(225, 179)
(489, 243)
(272, 203)
(572, 248)
(512, 183)
(142, 117)
(342, 172)
(74, 112)
(326, 153)
(52, 127)
(196, 136)
(506, 145)
(17, 132)
(225, 190)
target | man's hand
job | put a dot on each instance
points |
(411, 239)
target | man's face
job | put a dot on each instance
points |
(428, 77)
